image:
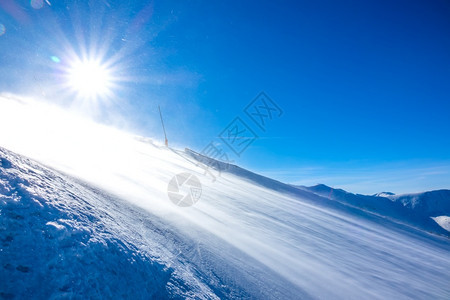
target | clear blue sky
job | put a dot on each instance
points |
(364, 85)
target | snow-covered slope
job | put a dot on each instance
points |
(383, 194)
(62, 237)
(88, 216)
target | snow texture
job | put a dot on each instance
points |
(84, 214)
(61, 237)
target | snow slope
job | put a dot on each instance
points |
(60, 238)
(97, 222)
(260, 243)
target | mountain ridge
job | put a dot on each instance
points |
(376, 204)
(417, 209)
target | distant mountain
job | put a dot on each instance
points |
(419, 210)
(433, 203)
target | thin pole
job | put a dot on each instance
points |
(164, 129)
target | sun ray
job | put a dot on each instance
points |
(89, 78)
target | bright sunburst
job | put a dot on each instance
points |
(90, 79)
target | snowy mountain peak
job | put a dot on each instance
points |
(383, 194)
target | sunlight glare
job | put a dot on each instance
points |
(90, 79)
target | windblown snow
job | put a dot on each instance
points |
(84, 213)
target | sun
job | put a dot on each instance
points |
(90, 79)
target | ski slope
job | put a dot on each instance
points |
(87, 215)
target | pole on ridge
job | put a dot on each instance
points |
(164, 129)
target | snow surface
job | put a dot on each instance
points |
(384, 194)
(443, 221)
(97, 222)
(61, 238)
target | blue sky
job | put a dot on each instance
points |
(363, 85)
